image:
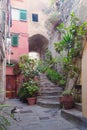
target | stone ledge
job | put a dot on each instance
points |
(78, 106)
(75, 117)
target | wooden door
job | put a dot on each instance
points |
(11, 89)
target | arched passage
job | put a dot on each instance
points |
(34, 55)
(38, 43)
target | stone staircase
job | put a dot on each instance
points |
(49, 93)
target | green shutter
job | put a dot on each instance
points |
(23, 15)
(15, 40)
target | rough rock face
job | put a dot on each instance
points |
(65, 8)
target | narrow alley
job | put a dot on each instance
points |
(43, 64)
(37, 118)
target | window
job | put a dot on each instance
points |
(23, 15)
(15, 14)
(20, 15)
(35, 17)
(15, 40)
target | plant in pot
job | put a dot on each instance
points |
(29, 86)
(32, 91)
(67, 99)
(22, 93)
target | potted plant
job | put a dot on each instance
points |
(29, 86)
(22, 94)
(67, 99)
(32, 92)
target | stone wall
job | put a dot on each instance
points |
(64, 8)
(2, 81)
(3, 25)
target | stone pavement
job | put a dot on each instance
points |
(37, 118)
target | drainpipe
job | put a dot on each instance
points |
(9, 36)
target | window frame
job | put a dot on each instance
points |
(23, 12)
(12, 42)
(34, 17)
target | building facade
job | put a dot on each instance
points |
(19, 42)
(38, 36)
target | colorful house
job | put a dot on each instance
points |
(18, 37)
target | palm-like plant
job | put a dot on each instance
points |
(72, 42)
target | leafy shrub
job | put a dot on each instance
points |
(22, 94)
(54, 76)
(3, 117)
(28, 89)
(67, 93)
(72, 41)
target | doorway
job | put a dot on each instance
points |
(11, 87)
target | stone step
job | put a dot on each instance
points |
(75, 116)
(48, 104)
(51, 89)
(49, 98)
(48, 93)
(78, 106)
(47, 85)
(42, 86)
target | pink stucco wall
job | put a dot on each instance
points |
(9, 70)
(22, 29)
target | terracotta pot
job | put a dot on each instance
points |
(32, 100)
(61, 101)
(68, 102)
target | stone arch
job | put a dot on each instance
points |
(38, 43)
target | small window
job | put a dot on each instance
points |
(35, 17)
(15, 14)
(23, 15)
(15, 40)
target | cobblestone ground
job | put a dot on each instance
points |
(37, 118)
